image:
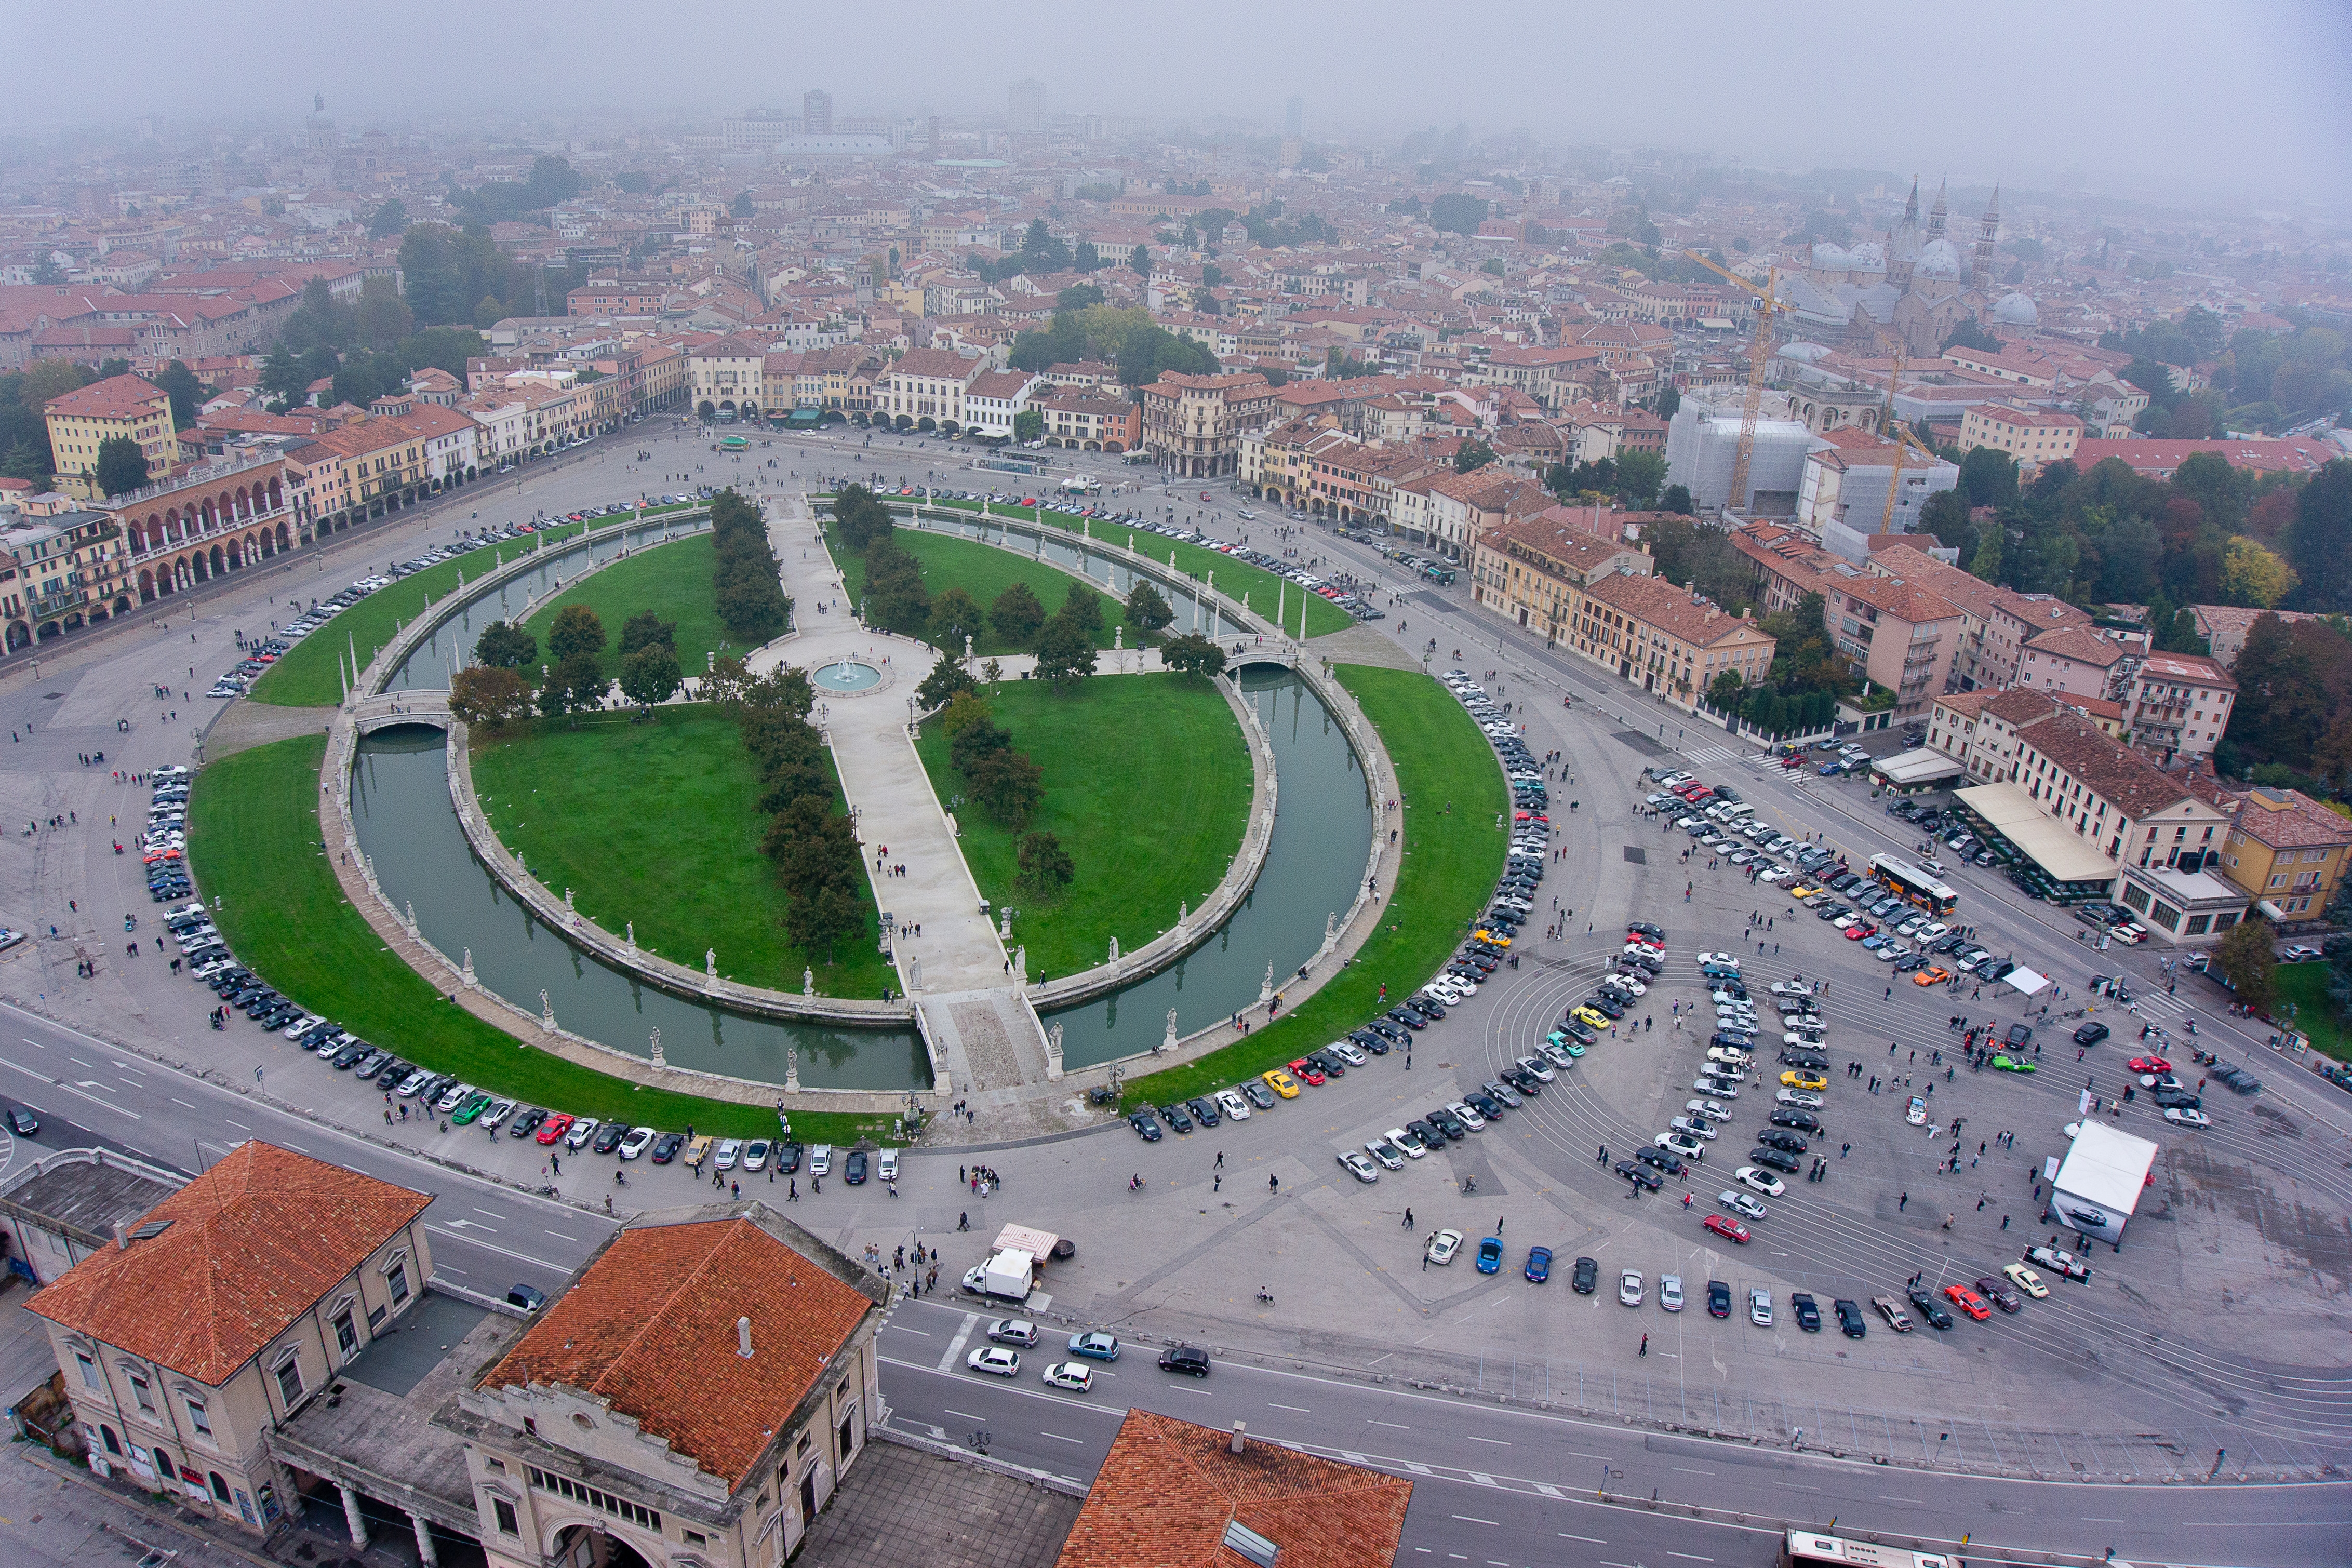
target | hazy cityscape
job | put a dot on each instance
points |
(764, 610)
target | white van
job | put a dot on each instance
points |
(821, 1160)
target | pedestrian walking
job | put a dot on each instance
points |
(1645, 1345)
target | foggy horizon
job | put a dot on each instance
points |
(2166, 103)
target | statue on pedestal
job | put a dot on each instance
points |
(658, 1050)
(792, 1070)
(914, 974)
(633, 935)
(1114, 949)
(1004, 924)
(408, 908)
(469, 968)
(546, 1013)
(808, 982)
(710, 963)
(1021, 966)
(1170, 1042)
(1266, 988)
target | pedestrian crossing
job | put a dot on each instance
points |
(1717, 756)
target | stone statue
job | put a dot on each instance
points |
(808, 982)
(1119, 639)
(1054, 1054)
(408, 907)
(710, 963)
(792, 1070)
(1330, 927)
(658, 1050)
(469, 968)
(546, 1013)
(1021, 966)
(1004, 924)
(967, 647)
(1170, 1043)
(633, 935)
(1114, 949)
(567, 899)
(1183, 912)
(914, 974)
(1266, 988)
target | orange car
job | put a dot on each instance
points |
(1931, 976)
(1969, 1301)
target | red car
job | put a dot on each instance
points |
(1726, 1227)
(551, 1131)
(2150, 1064)
(1305, 1071)
(1969, 1301)
(1855, 933)
(1792, 763)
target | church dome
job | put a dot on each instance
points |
(1867, 256)
(1831, 259)
(1938, 259)
(2016, 310)
(1808, 352)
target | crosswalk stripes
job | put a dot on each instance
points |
(1717, 754)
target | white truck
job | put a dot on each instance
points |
(1008, 1275)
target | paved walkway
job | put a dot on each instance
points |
(950, 954)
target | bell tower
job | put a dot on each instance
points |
(1988, 231)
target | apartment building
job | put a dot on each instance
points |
(2178, 704)
(1193, 425)
(1090, 421)
(729, 376)
(2224, 628)
(2286, 849)
(1527, 570)
(1665, 640)
(1898, 636)
(925, 388)
(80, 421)
(212, 1323)
(2074, 660)
(1996, 624)
(2033, 435)
(996, 398)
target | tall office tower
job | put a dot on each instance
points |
(1025, 104)
(1294, 116)
(816, 112)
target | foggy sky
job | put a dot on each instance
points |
(2162, 98)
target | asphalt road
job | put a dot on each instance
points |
(1507, 1486)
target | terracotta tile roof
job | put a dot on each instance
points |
(116, 397)
(945, 364)
(649, 1327)
(2189, 669)
(1892, 596)
(250, 1246)
(2286, 819)
(2129, 781)
(1168, 1489)
(1659, 603)
(2079, 643)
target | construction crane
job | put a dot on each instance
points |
(1888, 426)
(1767, 303)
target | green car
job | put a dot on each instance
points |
(2008, 1064)
(469, 1110)
(1564, 1043)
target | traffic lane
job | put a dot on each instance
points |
(1533, 1477)
(501, 1238)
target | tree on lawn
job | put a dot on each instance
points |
(1194, 654)
(576, 632)
(646, 630)
(2248, 959)
(955, 615)
(1029, 425)
(489, 695)
(1147, 612)
(504, 645)
(1064, 652)
(576, 684)
(1084, 609)
(650, 676)
(946, 678)
(121, 465)
(972, 742)
(1016, 615)
(1727, 692)
(1009, 786)
(967, 708)
(1045, 865)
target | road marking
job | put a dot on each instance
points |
(558, 1235)
(1685, 1470)
(1498, 1442)
(1299, 1408)
(234, 1122)
(488, 1246)
(78, 1062)
(902, 1328)
(1588, 1540)
(1059, 1439)
(970, 1322)
(967, 1414)
(1793, 1485)
(491, 1212)
(2089, 1520)
(1467, 1519)
(1690, 1557)
(94, 1100)
(36, 1044)
(182, 1103)
(1399, 1426)
(1418, 1470)
(1915, 1502)
(1484, 1480)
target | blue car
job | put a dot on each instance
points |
(1490, 1255)
(1538, 1268)
(1095, 1346)
(1831, 770)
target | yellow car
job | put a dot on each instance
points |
(1931, 976)
(1281, 1082)
(1593, 1017)
(697, 1150)
(1803, 1080)
(1802, 890)
(1500, 941)
(2026, 1280)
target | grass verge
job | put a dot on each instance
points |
(1147, 783)
(660, 823)
(982, 570)
(254, 840)
(306, 676)
(1452, 793)
(673, 580)
(1234, 577)
(2305, 985)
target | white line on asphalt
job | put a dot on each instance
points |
(1418, 1469)
(1606, 1563)
(902, 1328)
(1690, 1556)
(1480, 1478)
(558, 1235)
(955, 1345)
(2092, 1518)
(180, 1103)
(967, 1414)
(94, 1100)
(1498, 1442)
(234, 1122)
(1468, 1519)
(491, 1212)
(126, 1067)
(36, 1044)
(78, 1062)
(1059, 1439)
(1588, 1540)
(1549, 1492)
(1793, 1485)
(488, 1246)
(1398, 1424)
(1685, 1470)
(1888, 1497)
(1301, 1409)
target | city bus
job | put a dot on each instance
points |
(1906, 880)
(1801, 1548)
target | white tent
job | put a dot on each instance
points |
(2098, 1183)
(2026, 980)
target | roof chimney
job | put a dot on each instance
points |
(743, 1338)
(121, 1237)
(1241, 1430)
